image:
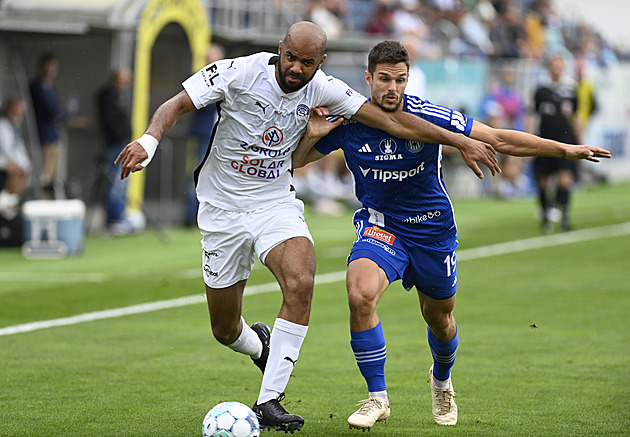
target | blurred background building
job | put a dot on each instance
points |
(464, 48)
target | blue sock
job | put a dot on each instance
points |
(443, 355)
(370, 352)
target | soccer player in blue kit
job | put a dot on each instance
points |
(406, 227)
(247, 205)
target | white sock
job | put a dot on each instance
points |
(441, 384)
(248, 342)
(284, 350)
(382, 395)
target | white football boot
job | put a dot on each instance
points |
(372, 410)
(443, 400)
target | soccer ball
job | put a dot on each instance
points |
(231, 419)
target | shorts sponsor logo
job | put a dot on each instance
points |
(424, 217)
(379, 234)
(272, 137)
(302, 111)
(208, 272)
(385, 247)
(391, 175)
(414, 146)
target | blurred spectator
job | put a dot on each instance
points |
(509, 35)
(380, 20)
(326, 184)
(535, 22)
(321, 13)
(555, 103)
(15, 171)
(407, 21)
(199, 134)
(113, 104)
(49, 117)
(475, 34)
(586, 98)
(505, 93)
(504, 107)
(15, 163)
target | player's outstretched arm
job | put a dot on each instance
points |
(318, 126)
(411, 127)
(137, 154)
(516, 143)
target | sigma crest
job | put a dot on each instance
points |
(388, 146)
(414, 146)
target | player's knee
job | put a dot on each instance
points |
(360, 303)
(441, 324)
(225, 334)
(299, 290)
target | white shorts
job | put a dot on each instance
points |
(231, 238)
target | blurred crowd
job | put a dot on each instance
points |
(501, 31)
(497, 30)
(493, 28)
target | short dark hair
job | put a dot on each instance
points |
(387, 52)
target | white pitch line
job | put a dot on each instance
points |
(543, 241)
(327, 278)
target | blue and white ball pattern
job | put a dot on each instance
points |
(231, 419)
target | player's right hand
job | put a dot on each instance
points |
(318, 124)
(131, 157)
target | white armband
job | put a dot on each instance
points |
(149, 144)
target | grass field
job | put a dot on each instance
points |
(544, 335)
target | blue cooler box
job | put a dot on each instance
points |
(53, 228)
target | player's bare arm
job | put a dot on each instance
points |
(411, 127)
(318, 126)
(516, 143)
(163, 119)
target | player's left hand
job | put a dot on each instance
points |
(590, 153)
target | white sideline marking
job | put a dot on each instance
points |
(326, 278)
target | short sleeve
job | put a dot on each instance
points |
(212, 82)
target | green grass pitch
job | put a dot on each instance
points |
(543, 325)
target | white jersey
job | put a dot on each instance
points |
(259, 127)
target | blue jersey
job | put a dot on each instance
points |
(400, 180)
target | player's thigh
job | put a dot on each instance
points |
(293, 264)
(283, 242)
(227, 244)
(433, 269)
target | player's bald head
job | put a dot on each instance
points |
(306, 34)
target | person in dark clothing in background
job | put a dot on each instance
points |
(49, 117)
(555, 104)
(113, 109)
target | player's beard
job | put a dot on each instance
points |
(292, 87)
(388, 106)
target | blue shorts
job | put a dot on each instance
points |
(430, 267)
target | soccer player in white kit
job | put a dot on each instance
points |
(247, 205)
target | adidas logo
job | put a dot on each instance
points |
(365, 149)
